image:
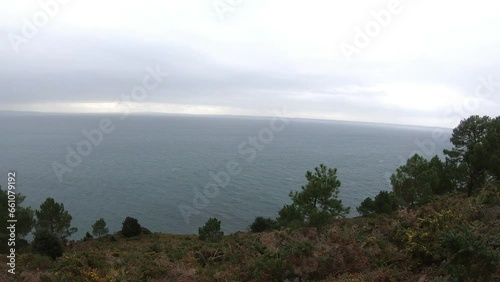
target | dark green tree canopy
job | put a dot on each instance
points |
(385, 203)
(47, 243)
(24, 215)
(489, 151)
(413, 182)
(99, 228)
(317, 203)
(467, 139)
(211, 231)
(53, 217)
(262, 224)
(131, 227)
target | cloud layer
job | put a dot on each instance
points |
(422, 65)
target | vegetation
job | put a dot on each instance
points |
(211, 231)
(54, 218)
(384, 203)
(131, 227)
(24, 215)
(317, 203)
(99, 228)
(47, 243)
(440, 223)
(262, 224)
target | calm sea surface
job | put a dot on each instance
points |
(150, 165)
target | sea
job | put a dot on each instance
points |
(173, 172)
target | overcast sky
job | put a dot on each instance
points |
(421, 66)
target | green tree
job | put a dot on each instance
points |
(53, 217)
(99, 228)
(131, 227)
(24, 215)
(211, 231)
(366, 207)
(385, 202)
(489, 151)
(290, 216)
(47, 243)
(467, 138)
(317, 203)
(445, 175)
(262, 224)
(413, 182)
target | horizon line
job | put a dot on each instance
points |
(221, 115)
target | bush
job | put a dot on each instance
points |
(262, 224)
(290, 216)
(99, 228)
(211, 231)
(87, 237)
(367, 207)
(385, 202)
(48, 244)
(469, 258)
(146, 231)
(131, 227)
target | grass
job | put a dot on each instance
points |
(404, 246)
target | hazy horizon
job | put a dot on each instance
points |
(401, 62)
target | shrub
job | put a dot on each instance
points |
(262, 224)
(367, 207)
(99, 228)
(211, 231)
(146, 231)
(48, 244)
(317, 202)
(87, 237)
(290, 216)
(469, 258)
(131, 227)
(385, 202)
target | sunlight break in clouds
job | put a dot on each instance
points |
(262, 55)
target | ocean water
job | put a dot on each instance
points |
(150, 166)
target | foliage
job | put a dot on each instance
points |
(384, 203)
(131, 227)
(317, 203)
(489, 150)
(489, 194)
(24, 215)
(421, 240)
(47, 243)
(467, 139)
(211, 231)
(290, 216)
(413, 182)
(445, 176)
(99, 228)
(87, 237)
(366, 207)
(53, 217)
(262, 224)
(468, 257)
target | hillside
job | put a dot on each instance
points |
(452, 238)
